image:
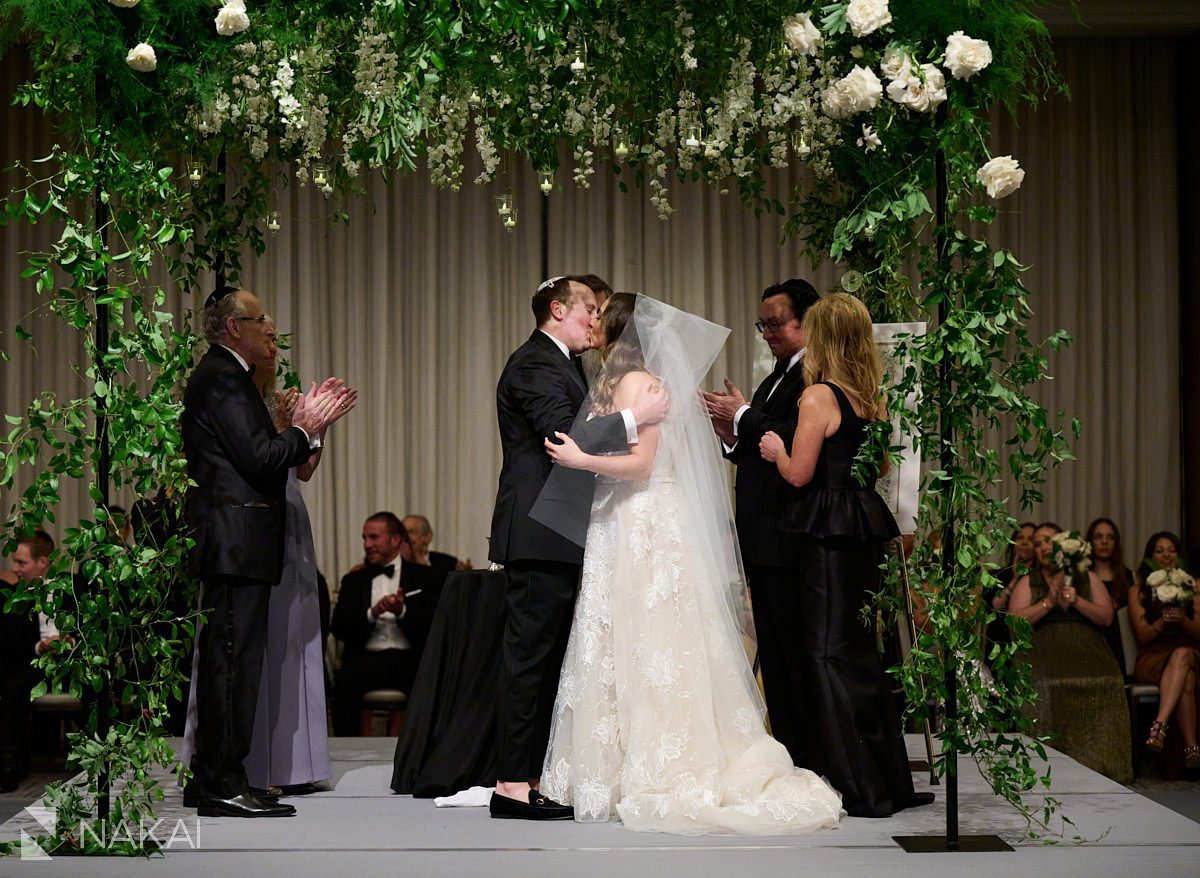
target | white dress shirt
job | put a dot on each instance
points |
(631, 435)
(386, 633)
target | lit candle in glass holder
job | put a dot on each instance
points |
(577, 66)
(693, 135)
(510, 220)
(195, 171)
(546, 182)
(320, 174)
(621, 150)
(800, 144)
(273, 222)
(504, 204)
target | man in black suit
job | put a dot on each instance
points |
(236, 515)
(420, 535)
(383, 615)
(539, 393)
(762, 496)
(19, 636)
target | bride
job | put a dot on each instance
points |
(658, 718)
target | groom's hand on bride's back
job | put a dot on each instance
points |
(651, 404)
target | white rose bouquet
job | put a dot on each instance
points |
(1071, 553)
(1172, 587)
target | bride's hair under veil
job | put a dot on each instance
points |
(617, 359)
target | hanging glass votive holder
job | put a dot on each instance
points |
(510, 220)
(320, 174)
(273, 222)
(578, 65)
(504, 204)
(693, 136)
(195, 171)
(621, 150)
(869, 231)
(546, 182)
(800, 144)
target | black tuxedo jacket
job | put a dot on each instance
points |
(540, 392)
(444, 564)
(239, 464)
(351, 625)
(762, 494)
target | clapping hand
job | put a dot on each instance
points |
(389, 603)
(723, 406)
(323, 405)
(770, 446)
(567, 453)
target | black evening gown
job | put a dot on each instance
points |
(841, 528)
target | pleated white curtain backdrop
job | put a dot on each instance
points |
(420, 298)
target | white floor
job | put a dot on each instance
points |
(361, 829)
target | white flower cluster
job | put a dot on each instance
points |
(919, 88)
(801, 34)
(966, 56)
(656, 163)
(1071, 552)
(488, 154)
(125, 4)
(450, 119)
(142, 58)
(856, 92)
(683, 26)
(1172, 586)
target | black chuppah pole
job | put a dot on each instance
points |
(951, 841)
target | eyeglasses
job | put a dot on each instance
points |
(261, 318)
(772, 326)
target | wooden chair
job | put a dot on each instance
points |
(1141, 695)
(391, 702)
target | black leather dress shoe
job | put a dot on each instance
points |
(539, 808)
(270, 794)
(300, 789)
(191, 795)
(243, 805)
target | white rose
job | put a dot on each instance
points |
(867, 16)
(1002, 176)
(895, 62)
(142, 58)
(801, 34)
(125, 4)
(922, 95)
(1072, 545)
(1168, 593)
(857, 91)
(1157, 578)
(966, 56)
(232, 19)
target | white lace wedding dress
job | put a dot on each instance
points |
(656, 721)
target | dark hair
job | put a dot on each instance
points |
(593, 282)
(801, 295)
(1050, 524)
(1120, 583)
(1010, 554)
(618, 359)
(556, 290)
(393, 524)
(1148, 553)
(40, 543)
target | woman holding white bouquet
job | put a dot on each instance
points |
(1081, 690)
(1163, 613)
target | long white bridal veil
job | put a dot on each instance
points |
(678, 348)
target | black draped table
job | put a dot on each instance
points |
(449, 738)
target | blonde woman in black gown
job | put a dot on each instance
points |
(841, 527)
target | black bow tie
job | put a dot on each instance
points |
(388, 571)
(781, 368)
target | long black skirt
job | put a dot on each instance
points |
(854, 739)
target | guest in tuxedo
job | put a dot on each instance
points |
(383, 614)
(601, 290)
(420, 535)
(762, 494)
(18, 635)
(540, 393)
(840, 527)
(236, 512)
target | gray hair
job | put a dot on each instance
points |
(217, 315)
(426, 527)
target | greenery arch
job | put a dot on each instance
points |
(154, 99)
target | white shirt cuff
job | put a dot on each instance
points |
(737, 416)
(370, 618)
(728, 448)
(630, 426)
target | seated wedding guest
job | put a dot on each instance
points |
(420, 535)
(17, 677)
(1080, 687)
(31, 562)
(1109, 564)
(591, 357)
(1168, 636)
(382, 617)
(1017, 560)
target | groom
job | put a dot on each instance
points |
(540, 392)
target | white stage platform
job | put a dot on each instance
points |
(361, 829)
